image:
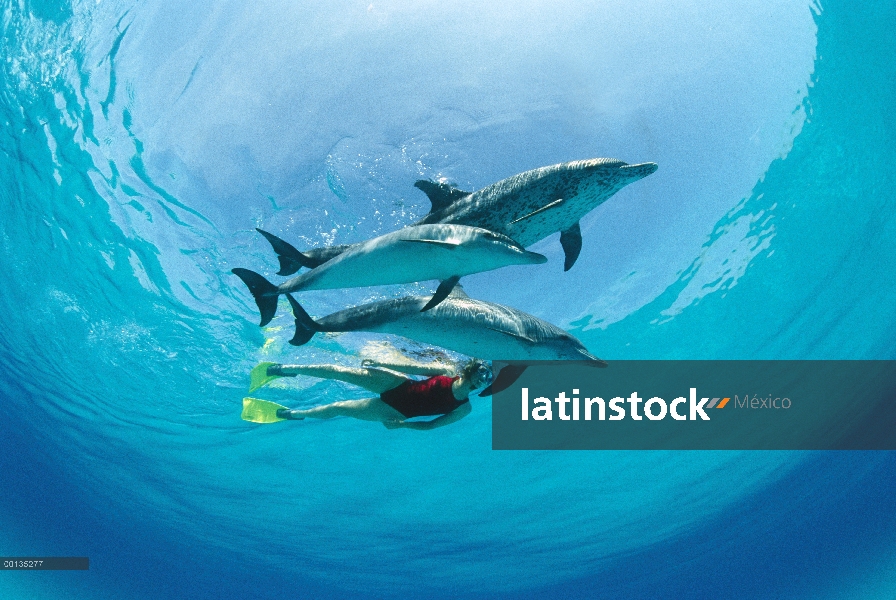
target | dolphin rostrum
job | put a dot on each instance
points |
(418, 253)
(527, 207)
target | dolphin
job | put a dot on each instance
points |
(473, 327)
(527, 207)
(418, 253)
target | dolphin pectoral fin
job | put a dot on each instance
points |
(547, 206)
(291, 260)
(306, 327)
(450, 244)
(263, 291)
(504, 380)
(513, 335)
(441, 292)
(571, 240)
(442, 195)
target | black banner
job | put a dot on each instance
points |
(697, 405)
(44, 563)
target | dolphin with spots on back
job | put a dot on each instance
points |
(473, 327)
(417, 253)
(527, 207)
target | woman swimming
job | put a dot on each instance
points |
(442, 394)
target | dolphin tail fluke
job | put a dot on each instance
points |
(264, 292)
(306, 327)
(291, 260)
(504, 380)
(302, 336)
(441, 292)
(571, 240)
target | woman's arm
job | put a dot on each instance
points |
(455, 415)
(412, 367)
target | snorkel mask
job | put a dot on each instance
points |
(483, 374)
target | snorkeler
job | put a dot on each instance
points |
(444, 394)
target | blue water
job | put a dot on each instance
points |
(143, 142)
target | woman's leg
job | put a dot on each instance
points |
(368, 409)
(374, 380)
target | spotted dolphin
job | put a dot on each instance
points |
(473, 327)
(527, 207)
(418, 253)
(460, 323)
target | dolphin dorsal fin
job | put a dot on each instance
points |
(458, 292)
(440, 194)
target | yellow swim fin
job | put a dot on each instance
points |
(260, 411)
(259, 376)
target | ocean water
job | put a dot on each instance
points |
(141, 145)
